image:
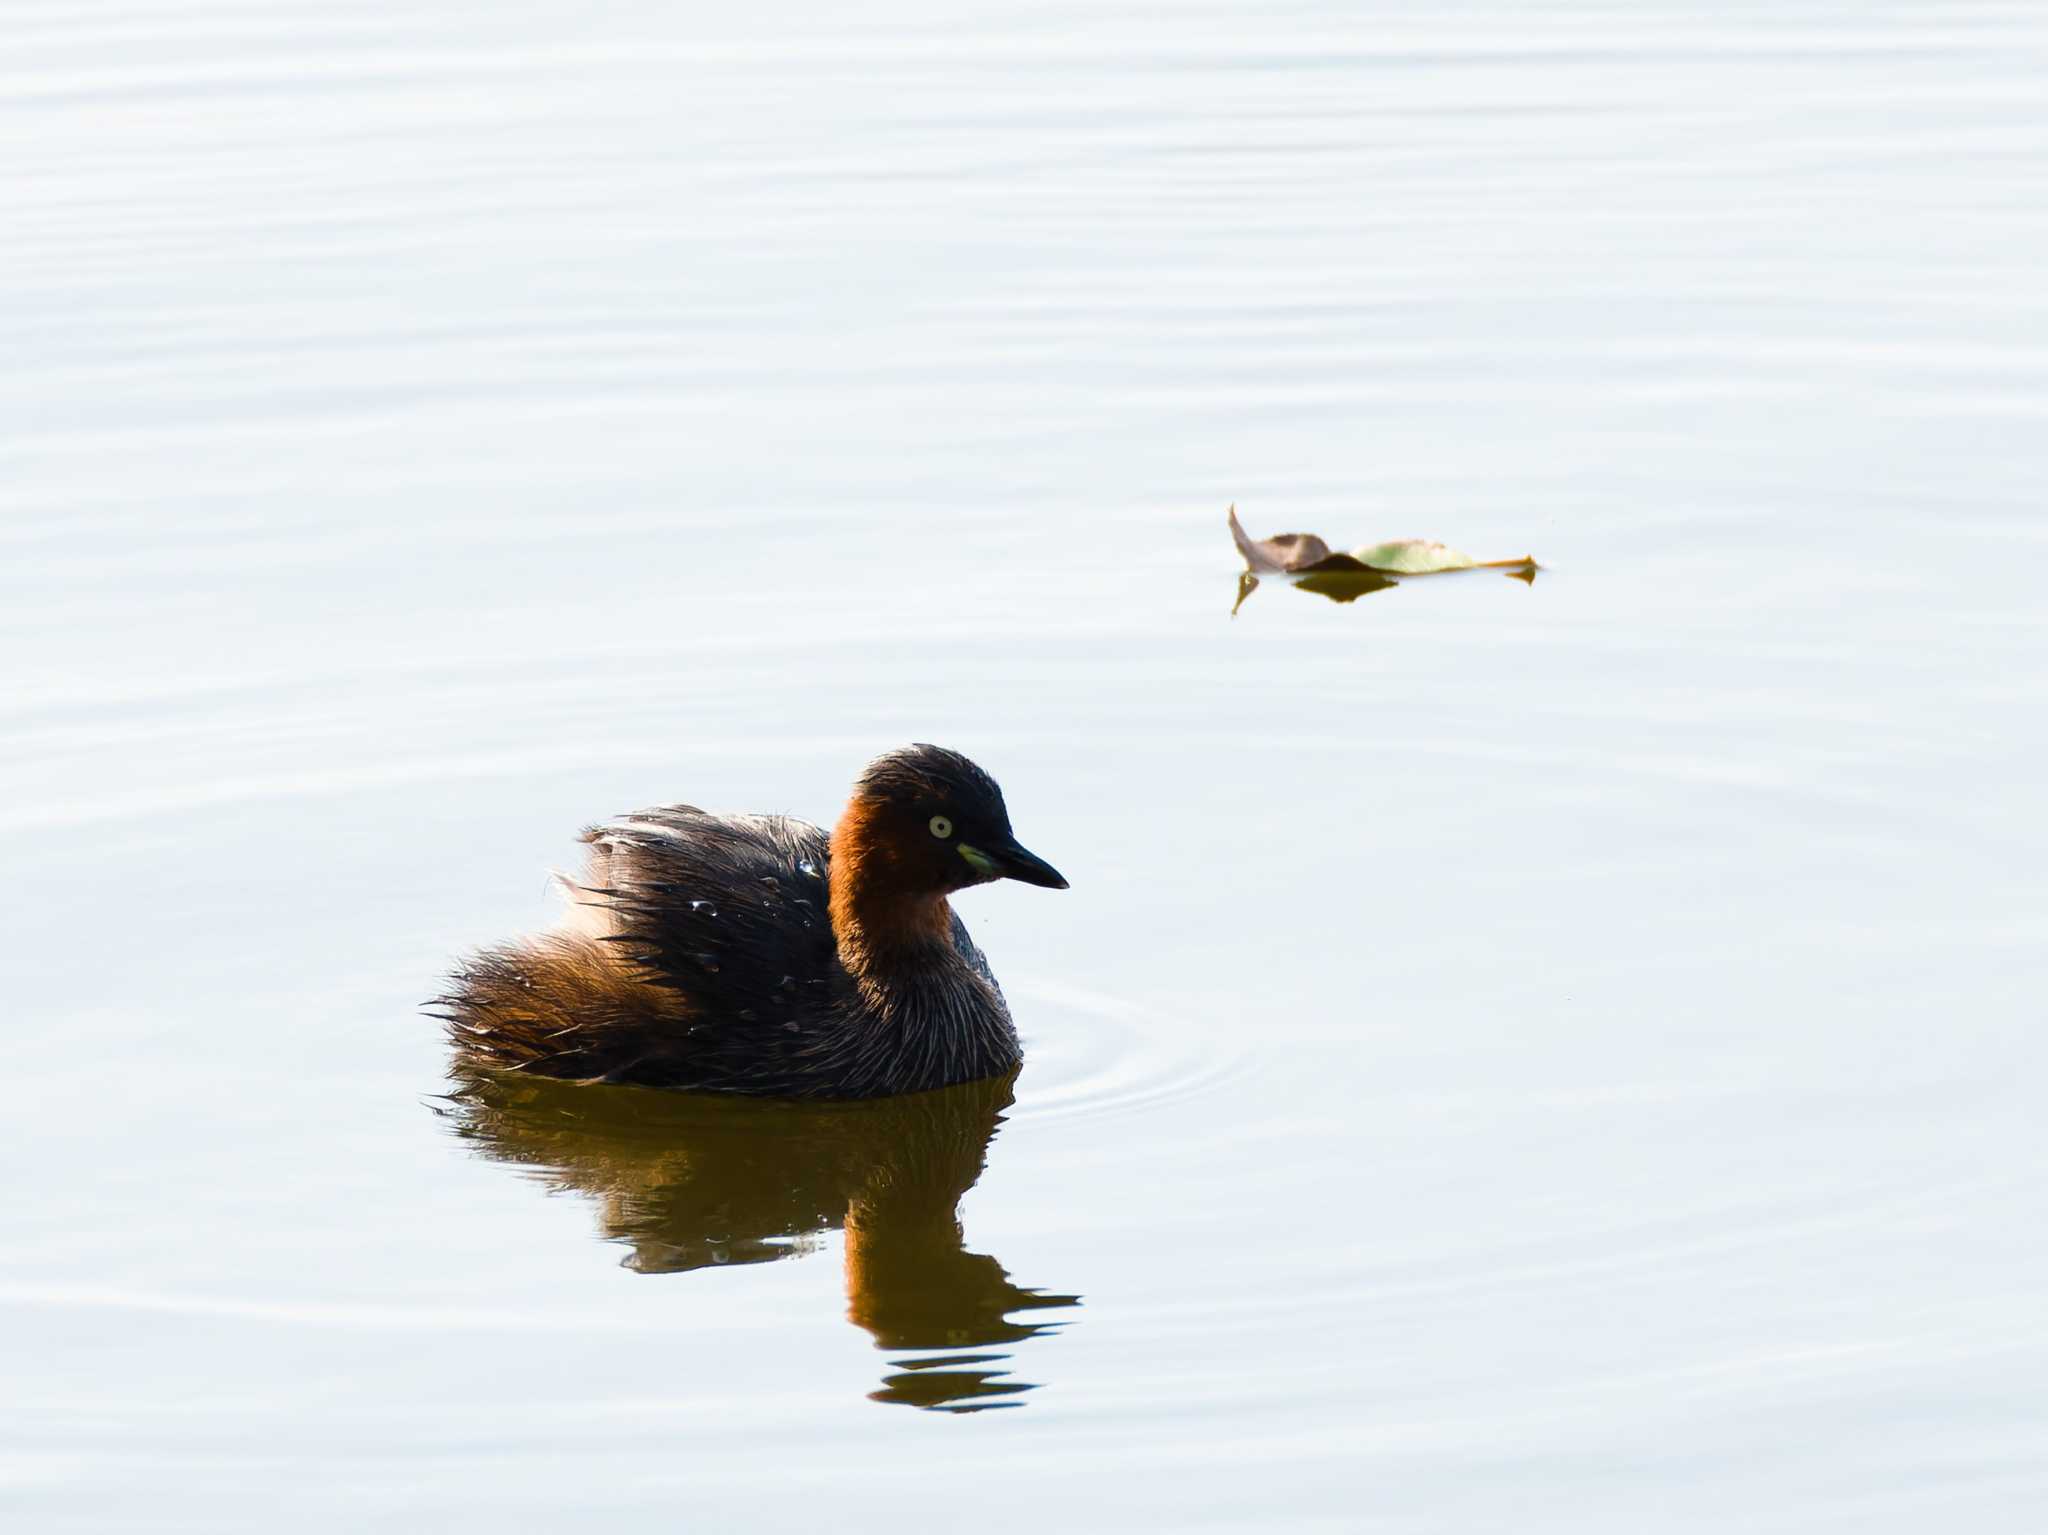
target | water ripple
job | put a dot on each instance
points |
(1116, 1057)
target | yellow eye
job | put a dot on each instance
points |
(941, 827)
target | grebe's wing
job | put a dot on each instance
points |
(729, 910)
(963, 943)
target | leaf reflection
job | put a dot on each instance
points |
(690, 1181)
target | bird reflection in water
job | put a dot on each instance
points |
(692, 1181)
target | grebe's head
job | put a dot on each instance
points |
(927, 821)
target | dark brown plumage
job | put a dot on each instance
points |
(750, 954)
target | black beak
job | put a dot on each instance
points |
(1013, 862)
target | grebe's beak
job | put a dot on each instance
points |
(1010, 861)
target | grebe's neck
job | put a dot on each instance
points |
(922, 1014)
(881, 922)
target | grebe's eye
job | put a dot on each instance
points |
(941, 827)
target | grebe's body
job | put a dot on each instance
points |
(753, 954)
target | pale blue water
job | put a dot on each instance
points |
(1555, 1058)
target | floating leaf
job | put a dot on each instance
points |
(1309, 564)
(1414, 557)
(1283, 551)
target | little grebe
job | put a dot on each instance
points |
(752, 954)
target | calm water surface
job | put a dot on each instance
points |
(1513, 1057)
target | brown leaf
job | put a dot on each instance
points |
(1289, 552)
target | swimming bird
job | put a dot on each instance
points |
(755, 954)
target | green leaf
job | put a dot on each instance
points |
(1413, 557)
